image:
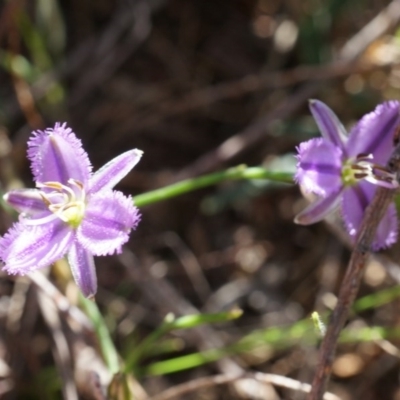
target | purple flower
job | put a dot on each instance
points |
(344, 169)
(72, 212)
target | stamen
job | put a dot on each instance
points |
(364, 168)
(45, 199)
(360, 176)
(357, 167)
(66, 202)
(52, 185)
(76, 183)
(364, 156)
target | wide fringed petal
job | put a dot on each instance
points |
(112, 172)
(83, 269)
(328, 123)
(25, 248)
(354, 203)
(27, 201)
(319, 209)
(319, 167)
(108, 220)
(374, 132)
(56, 155)
(387, 231)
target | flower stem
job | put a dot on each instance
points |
(108, 349)
(188, 185)
(351, 282)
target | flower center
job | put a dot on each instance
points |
(66, 202)
(362, 167)
(349, 174)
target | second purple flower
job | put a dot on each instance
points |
(343, 170)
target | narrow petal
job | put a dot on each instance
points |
(318, 210)
(374, 132)
(355, 201)
(26, 248)
(27, 201)
(83, 269)
(57, 155)
(328, 123)
(108, 220)
(112, 172)
(319, 167)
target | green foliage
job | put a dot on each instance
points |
(170, 324)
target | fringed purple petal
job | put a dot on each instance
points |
(319, 166)
(374, 132)
(111, 173)
(57, 155)
(83, 269)
(318, 210)
(27, 201)
(328, 123)
(355, 201)
(387, 232)
(108, 220)
(26, 248)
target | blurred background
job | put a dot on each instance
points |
(199, 86)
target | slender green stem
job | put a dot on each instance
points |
(108, 349)
(188, 185)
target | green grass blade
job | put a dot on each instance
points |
(170, 324)
(377, 299)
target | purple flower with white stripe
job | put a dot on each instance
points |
(344, 169)
(72, 212)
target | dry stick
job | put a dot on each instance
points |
(249, 136)
(61, 302)
(164, 295)
(351, 51)
(346, 63)
(209, 381)
(267, 80)
(60, 349)
(351, 282)
(204, 97)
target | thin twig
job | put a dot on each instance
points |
(351, 282)
(61, 302)
(381, 23)
(189, 263)
(61, 351)
(258, 82)
(249, 136)
(210, 381)
(167, 299)
(349, 53)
